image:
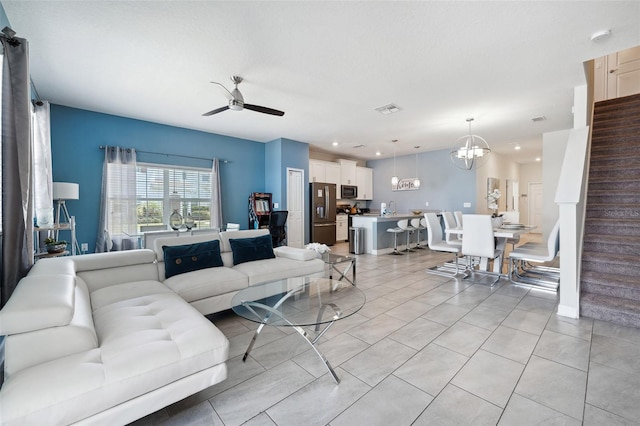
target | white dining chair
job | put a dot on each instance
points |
(406, 227)
(478, 241)
(450, 223)
(521, 270)
(437, 243)
(458, 216)
(417, 224)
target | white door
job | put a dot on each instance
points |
(536, 206)
(295, 206)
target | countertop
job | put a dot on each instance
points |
(392, 218)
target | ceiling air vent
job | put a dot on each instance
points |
(358, 146)
(539, 118)
(388, 109)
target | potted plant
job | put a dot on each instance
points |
(54, 246)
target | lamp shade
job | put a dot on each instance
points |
(66, 191)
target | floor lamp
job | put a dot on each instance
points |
(63, 191)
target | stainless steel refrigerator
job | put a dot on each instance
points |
(323, 213)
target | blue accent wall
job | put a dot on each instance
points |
(443, 185)
(280, 154)
(77, 134)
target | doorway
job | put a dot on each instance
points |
(536, 205)
(295, 206)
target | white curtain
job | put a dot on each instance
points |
(42, 175)
(216, 201)
(117, 229)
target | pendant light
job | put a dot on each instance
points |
(416, 181)
(469, 150)
(394, 178)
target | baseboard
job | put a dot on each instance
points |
(568, 311)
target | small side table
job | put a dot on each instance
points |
(333, 260)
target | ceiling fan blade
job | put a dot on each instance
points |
(225, 91)
(264, 110)
(215, 111)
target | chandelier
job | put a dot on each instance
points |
(469, 150)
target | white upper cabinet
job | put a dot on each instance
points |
(324, 171)
(364, 181)
(317, 171)
(332, 174)
(347, 172)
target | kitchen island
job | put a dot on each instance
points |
(376, 238)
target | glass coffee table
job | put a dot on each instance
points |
(297, 303)
(333, 260)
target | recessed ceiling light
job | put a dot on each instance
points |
(517, 147)
(600, 35)
(377, 152)
(538, 159)
(335, 144)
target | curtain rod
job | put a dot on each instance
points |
(174, 155)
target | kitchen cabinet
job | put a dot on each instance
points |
(317, 171)
(333, 175)
(364, 181)
(342, 228)
(326, 172)
(347, 172)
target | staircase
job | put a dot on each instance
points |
(610, 279)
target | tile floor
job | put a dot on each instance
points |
(427, 350)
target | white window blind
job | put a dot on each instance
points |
(162, 189)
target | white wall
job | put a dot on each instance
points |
(554, 145)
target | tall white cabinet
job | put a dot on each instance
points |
(364, 181)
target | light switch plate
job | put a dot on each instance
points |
(467, 205)
(426, 204)
(275, 205)
(84, 247)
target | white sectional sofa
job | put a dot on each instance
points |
(107, 339)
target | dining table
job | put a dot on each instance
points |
(503, 233)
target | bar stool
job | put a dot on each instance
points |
(404, 225)
(416, 223)
(395, 232)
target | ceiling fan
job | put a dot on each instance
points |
(236, 101)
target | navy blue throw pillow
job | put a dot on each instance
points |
(191, 257)
(249, 249)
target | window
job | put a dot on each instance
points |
(162, 189)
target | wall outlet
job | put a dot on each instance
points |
(467, 205)
(84, 247)
(275, 205)
(426, 204)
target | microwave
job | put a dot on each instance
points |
(348, 191)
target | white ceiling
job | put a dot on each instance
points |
(328, 65)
